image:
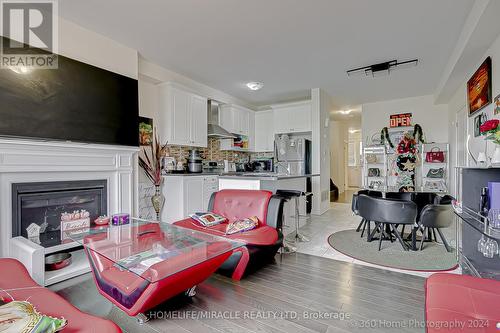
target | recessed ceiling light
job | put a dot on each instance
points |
(255, 85)
(345, 111)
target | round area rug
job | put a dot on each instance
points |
(433, 257)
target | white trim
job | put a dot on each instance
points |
(38, 161)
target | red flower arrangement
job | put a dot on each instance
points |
(489, 125)
(491, 130)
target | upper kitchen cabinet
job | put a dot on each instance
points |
(292, 117)
(183, 116)
(264, 131)
(235, 119)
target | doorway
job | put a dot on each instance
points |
(353, 167)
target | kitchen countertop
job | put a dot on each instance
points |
(187, 174)
(263, 176)
(242, 175)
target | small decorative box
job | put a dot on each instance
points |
(120, 219)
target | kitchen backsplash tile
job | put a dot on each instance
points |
(213, 153)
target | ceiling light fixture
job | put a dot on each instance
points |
(381, 69)
(352, 131)
(255, 85)
(345, 112)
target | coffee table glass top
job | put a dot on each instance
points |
(151, 250)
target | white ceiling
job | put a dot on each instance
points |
(289, 45)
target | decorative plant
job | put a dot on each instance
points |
(491, 130)
(384, 137)
(150, 160)
(418, 134)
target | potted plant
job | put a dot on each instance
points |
(150, 161)
(492, 132)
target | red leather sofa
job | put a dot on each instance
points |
(262, 243)
(453, 300)
(17, 285)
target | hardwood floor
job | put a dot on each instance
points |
(296, 293)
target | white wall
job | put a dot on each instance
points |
(432, 118)
(459, 101)
(320, 110)
(148, 99)
(338, 135)
(89, 47)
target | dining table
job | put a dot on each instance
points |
(384, 190)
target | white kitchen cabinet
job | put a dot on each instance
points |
(199, 124)
(251, 131)
(264, 131)
(235, 119)
(292, 117)
(183, 116)
(186, 194)
(193, 195)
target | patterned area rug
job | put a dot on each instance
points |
(433, 257)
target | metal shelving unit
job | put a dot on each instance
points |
(426, 167)
(381, 163)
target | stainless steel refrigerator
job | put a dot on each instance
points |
(293, 156)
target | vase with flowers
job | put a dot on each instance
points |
(491, 130)
(150, 158)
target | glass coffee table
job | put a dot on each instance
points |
(140, 265)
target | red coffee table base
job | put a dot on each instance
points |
(144, 295)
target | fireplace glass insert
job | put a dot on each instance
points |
(40, 210)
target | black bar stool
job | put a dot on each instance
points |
(296, 195)
(285, 246)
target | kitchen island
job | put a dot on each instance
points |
(271, 182)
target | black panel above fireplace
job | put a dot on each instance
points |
(43, 203)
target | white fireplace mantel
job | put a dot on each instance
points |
(24, 161)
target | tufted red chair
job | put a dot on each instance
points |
(262, 243)
(17, 285)
(469, 301)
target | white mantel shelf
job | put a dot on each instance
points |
(23, 161)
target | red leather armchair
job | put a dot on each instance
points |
(262, 243)
(17, 285)
(464, 303)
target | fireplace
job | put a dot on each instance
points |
(42, 206)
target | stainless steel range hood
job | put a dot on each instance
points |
(214, 130)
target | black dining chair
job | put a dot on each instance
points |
(408, 196)
(354, 206)
(387, 213)
(443, 200)
(433, 218)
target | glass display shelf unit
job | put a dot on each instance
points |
(476, 232)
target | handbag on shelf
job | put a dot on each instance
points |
(437, 185)
(435, 173)
(434, 156)
(373, 172)
(371, 158)
(375, 184)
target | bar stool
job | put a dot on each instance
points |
(285, 246)
(296, 195)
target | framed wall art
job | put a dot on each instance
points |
(479, 88)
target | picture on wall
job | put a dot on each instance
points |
(497, 105)
(145, 131)
(478, 121)
(479, 88)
